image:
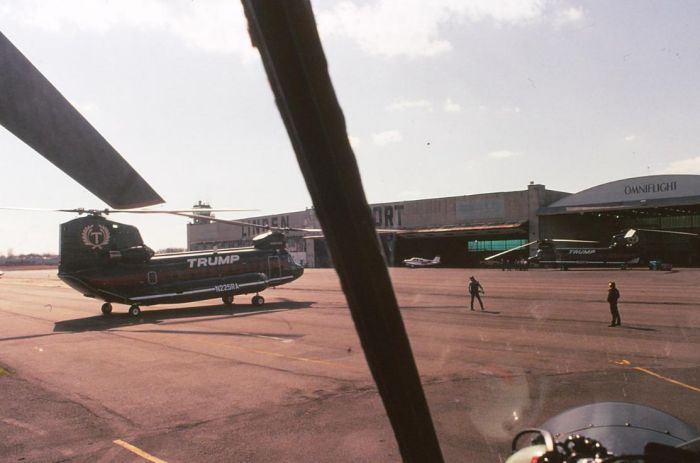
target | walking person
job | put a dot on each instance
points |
(613, 296)
(474, 289)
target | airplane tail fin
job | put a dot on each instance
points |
(436, 260)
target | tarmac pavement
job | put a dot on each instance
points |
(289, 382)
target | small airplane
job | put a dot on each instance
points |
(414, 262)
(624, 250)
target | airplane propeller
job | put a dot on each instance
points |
(36, 112)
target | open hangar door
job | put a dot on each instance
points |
(452, 250)
(679, 250)
(458, 247)
(464, 247)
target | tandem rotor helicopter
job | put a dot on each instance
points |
(625, 249)
(108, 260)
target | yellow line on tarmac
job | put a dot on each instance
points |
(139, 452)
(649, 372)
(3, 372)
(656, 375)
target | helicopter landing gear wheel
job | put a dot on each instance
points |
(258, 300)
(134, 310)
(228, 299)
(106, 308)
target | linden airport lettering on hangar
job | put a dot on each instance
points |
(465, 229)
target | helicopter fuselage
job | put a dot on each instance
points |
(564, 257)
(623, 251)
(185, 277)
(108, 260)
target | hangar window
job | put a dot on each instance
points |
(682, 221)
(670, 221)
(493, 245)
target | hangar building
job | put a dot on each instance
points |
(463, 230)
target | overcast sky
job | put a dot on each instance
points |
(441, 98)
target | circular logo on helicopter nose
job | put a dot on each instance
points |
(95, 236)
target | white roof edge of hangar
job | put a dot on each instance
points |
(631, 193)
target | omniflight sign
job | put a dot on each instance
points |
(658, 187)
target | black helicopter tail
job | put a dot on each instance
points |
(92, 241)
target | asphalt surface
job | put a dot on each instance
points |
(289, 382)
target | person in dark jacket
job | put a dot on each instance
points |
(474, 289)
(613, 296)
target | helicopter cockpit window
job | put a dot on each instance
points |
(127, 237)
(128, 245)
(136, 254)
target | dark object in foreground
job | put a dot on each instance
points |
(286, 35)
(609, 432)
(37, 113)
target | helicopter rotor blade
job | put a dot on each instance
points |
(556, 240)
(266, 227)
(667, 231)
(286, 35)
(29, 209)
(511, 250)
(246, 224)
(216, 219)
(108, 211)
(199, 212)
(36, 112)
